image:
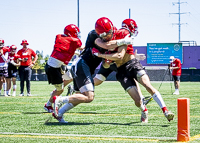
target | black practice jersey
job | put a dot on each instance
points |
(92, 60)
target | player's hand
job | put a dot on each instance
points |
(95, 52)
(1, 52)
(126, 41)
(140, 57)
(31, 65)
(12, 62)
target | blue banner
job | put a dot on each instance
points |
(159, 53)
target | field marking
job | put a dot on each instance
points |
(91, 137)
(85, 137)
(94, 104)
(196, 137)
(98, 114)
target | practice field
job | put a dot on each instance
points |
(111, 117)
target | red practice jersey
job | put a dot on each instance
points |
(13, 57)
(120, 34)
(65, 48)
(176, 63)
(28, 53)
(5, 50)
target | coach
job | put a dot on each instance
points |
(25, 69)
(175, 66)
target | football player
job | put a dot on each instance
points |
(13, 63)
(132, 70)
(3, 65)
(83, 69)
(64, 48)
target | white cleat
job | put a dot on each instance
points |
(169, 115)
(22, 94)
(144, 116)
(14, 94)
(59, 118)
(57, 104)
(176, 93)
(29, 94)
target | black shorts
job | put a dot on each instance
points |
(54, 75)
(82, 77)
(128, 72)
(12, 71)
(104, 72)
(4, 71)
(176, 78)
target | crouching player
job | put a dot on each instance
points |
(64, 48)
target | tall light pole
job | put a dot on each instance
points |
(78, 12)
(129, 13)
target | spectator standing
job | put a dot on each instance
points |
(25, 69)
(175, 66)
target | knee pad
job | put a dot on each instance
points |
(59, 86)
(140, 74)
(67, 75)
(130, 88)
(100, 77)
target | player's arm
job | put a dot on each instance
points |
(111, 45)
(17, 63)
(81, 48)
(140, 57)
(173, 68)
(119, 55)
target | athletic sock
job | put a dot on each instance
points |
(4, 86)
(65, 108)
(158, 98)
(143, 107)
(8, 92)
(14, 87)
(65, 99)
(49, 103)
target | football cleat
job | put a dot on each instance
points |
(29, 94)
(21, 94)
(169, 115)
(176, 92)
(57, 104)
(59, 118)
(144, 116)
(48, 108)
(14, 94)
(70, 90)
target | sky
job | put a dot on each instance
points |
(39, 21)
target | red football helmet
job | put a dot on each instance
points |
(24, 42)
(72, 30)
(1, 43)
(103, 26)
(131, 25)
(13, 48)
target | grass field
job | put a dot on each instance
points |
(111, 117)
